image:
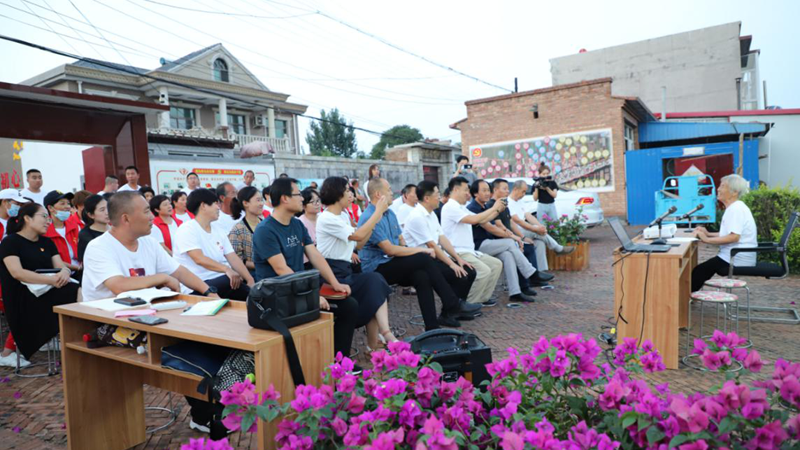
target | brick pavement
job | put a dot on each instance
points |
(582, 302)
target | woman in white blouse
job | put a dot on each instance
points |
(737, 229)
(336, 240)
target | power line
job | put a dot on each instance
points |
(311, 13)
(186, 86)
(51, 28)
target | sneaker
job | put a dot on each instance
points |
(540, 276)
(446, 320)
(51, 345)
(469, 316)
(11, 361)
(566, 250)
(198, 427)
(357, 370)
(529, 292)
(491, 302)
(521, 298)
(468, 308)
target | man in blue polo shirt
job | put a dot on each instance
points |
(279, 243)
(386, 253)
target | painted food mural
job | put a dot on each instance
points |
(582, 160)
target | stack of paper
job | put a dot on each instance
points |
(148, 295)
(206, 308)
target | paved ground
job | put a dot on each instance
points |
(31, 410)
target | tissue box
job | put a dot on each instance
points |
(667, 231)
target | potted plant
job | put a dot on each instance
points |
(567, 231)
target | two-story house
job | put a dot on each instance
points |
(198, 123)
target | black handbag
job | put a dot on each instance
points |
(280, 303)
(458, 352)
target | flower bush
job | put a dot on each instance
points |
(554, 396)
(566, 230)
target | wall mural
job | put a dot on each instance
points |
(582, 160)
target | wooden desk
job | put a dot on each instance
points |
(669, 283)
(103, 387)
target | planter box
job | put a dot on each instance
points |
(575, 261)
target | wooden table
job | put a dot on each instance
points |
(665, 306)
(103, 387)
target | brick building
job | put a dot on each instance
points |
(580, 130)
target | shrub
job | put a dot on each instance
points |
(771, 208)
(553, 397)
(566, 230)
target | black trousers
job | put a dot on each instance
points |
(461, 286)
(202, 411)
(223, 285)
(703, 272)
(422, 272)
(345, 315)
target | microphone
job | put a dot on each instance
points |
(689, 214)
(658, 220)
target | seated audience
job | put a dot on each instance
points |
(206, 251)
(64, 234)
(226, 193)
(77, 205)
(423, 230)
(457, 222)
(354, 211)
(386, 253)
(95, 215)
(249, 201)
(311, 209)
(111, 185)
(407, 204)
(737, 229)
(532, 228)
(337, 240)
(179, 210)
(147, 192)
(499, 243)
(23, 251)
(127, 259)
(267, 202)
(279, 243)
(10, 202)
(165, 225)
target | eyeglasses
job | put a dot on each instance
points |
(316, 202)
(297, 195)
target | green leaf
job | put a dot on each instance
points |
(643, 422)
(272, 415)
(654, 435)
(678, 440)
(629, 418)
(230, 409)
(247, 420)
(727, 425)
(437, 367)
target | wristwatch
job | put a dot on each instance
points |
(210, 290)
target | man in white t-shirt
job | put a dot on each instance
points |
(111, 185)
(10, 201)
(132, 176)
(457, 222)
(124, 259)
(249, 178)
(737, 229)
(225, 194)
(206, 250)
(532, 228)
(33, 191)
(192, 182)
(409, 202)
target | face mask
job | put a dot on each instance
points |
(62, 215)
(13, 210)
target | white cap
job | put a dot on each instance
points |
(12, 194)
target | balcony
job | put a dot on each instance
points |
(280, 145)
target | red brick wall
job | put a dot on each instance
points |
(570, 110)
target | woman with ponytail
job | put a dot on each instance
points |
(250, 201)
(24, 251)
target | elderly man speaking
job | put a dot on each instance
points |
(738, 229)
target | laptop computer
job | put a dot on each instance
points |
(628, 245)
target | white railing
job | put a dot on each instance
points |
(280, 145)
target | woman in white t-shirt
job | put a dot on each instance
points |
(165, 226)
(737, 229)
(179, 211)
(207, 252)
(337, 240)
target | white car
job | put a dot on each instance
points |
(567, 201)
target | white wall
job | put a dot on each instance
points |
(61, 164)
(782, 164)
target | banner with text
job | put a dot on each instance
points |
(170, 176)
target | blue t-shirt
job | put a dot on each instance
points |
(479, 234)
(388, 228)
(271, 238)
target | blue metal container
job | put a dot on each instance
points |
(686, 193)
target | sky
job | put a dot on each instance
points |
(323, 64)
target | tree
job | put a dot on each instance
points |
(397, 135)
(332, 136)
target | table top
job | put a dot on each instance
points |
(678, 251)
(228, 328)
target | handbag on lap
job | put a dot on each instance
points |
(280, 303)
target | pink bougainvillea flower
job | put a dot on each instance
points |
(699, 444)
(512, 441)
(386, 441)
(17, 394)
(753, 362)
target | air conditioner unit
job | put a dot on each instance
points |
(259, 121)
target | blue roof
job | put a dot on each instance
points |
(172, 64)
(682, 131)
(104, 65)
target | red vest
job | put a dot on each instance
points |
(164, 227)
(266, 213)
(61, 243)
(76, 219)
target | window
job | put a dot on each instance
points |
(280, 129)
(629, 137)
(220, 71)
(182, 118)
(236, 122)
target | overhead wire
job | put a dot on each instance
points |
(51, 28)
(228, 13)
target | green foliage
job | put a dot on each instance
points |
(397, 135)
(332, 136)
(566, 230)
(771, 208)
